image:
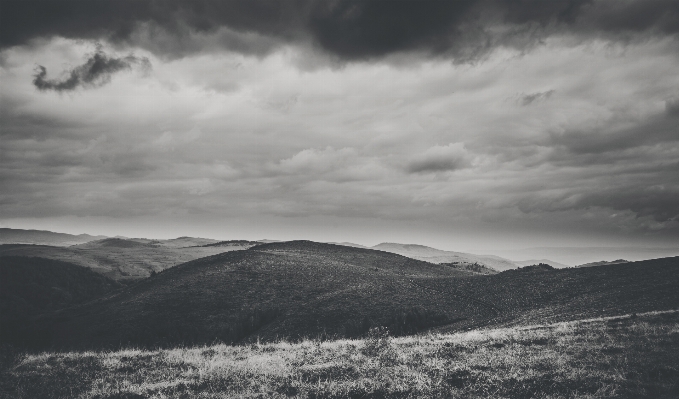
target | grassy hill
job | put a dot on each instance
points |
(434, 255)
(536, 294)
(301, 288)
(31, 286)
(123, 258)
(291, 289)
(624, 357)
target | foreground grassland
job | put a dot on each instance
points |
(622, 357)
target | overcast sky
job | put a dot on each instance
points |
(457, 124)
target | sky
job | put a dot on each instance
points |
(463, 125)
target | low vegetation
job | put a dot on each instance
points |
(632, 356)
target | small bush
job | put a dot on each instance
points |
(377, 342)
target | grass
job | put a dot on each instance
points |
(616, 357)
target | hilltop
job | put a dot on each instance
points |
(292, 289)
(122, 258)
(301, 288)
(603, 262)
(434, 255)
(43, 237)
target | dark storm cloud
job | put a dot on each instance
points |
(658, 129)
(657, 201)
(349, 29)
(96, 71)
(440, 159)
(672, 107)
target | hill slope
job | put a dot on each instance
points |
(31, 286)
(43, 237)
(296, 289)
(122, 258)
(291, 289)
(434, 255)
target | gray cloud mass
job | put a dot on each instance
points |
(510, 120)
(96, 71)
(348, 29)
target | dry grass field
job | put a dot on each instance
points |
(631, 356)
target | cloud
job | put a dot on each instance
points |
(95, 72)
(527, 99)
(440, 159)
(346, 29)
(672, 107)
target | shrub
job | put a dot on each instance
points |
(377, 342)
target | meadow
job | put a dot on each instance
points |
(630, 356)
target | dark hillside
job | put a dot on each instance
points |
(275, 290)
(370, 258)
(301, 288)
(539, 294)
(31, 286)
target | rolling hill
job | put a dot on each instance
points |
(301, 288)
(43, 237)
(522, 263)
(434, 255)
(122, 258)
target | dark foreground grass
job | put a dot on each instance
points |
(623, 357)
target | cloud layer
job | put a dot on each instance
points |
(539, 122)
(347, 29)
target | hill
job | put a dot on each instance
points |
(300, 288)
(290, 289)
(603, 262)
(434, 255)
(120, 258)
(43, 237)
(31, 286)
(530, 262)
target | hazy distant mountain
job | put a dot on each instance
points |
(242, 244)
(572, 256)
(434, 255)
(349, 244)
(43, 237)
(603, 262)
(531, 262)
(124, 242)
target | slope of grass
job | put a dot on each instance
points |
(273, 290)
(620, 357)
(295, 290)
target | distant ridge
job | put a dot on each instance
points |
(43, 237)
(603, 262)
(538, 261)
(232, 243)
(433, 255)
